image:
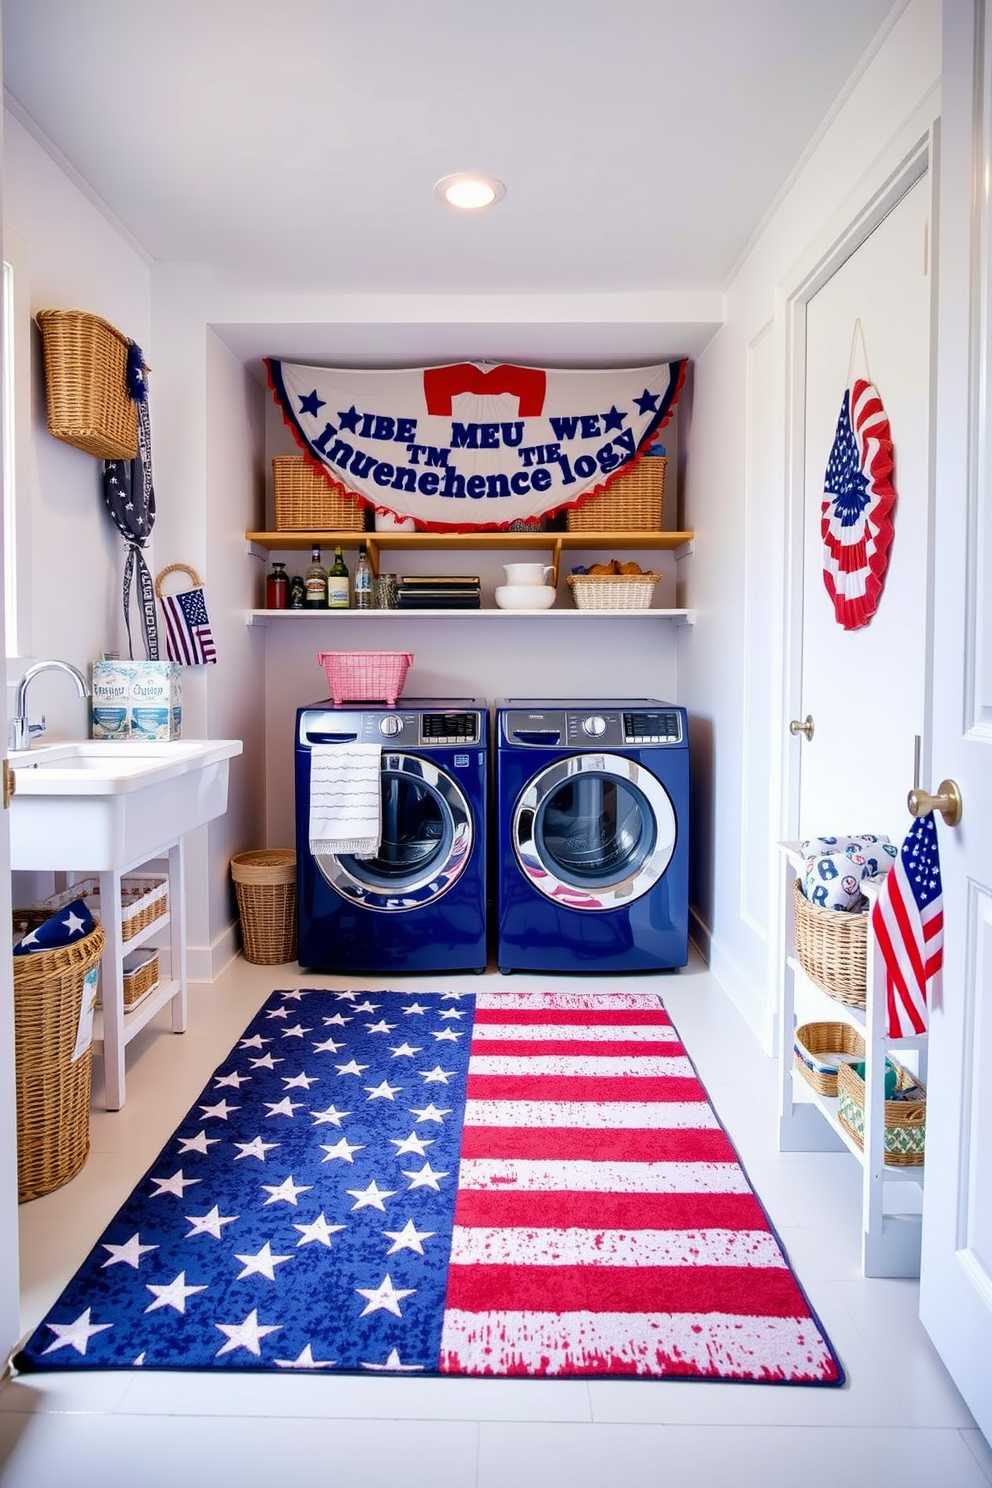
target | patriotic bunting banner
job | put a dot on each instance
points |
(907, 919)
(856, 512)
(514, 1184)
(474, 445)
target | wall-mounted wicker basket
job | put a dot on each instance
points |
(307, 502)
(53, 1089)
(631, 503)
(86, 384)
(832, 948)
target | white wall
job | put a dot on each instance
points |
(733, 676)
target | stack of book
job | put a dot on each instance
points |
(439, 592)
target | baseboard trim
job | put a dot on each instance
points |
(205, 963)
(751, 1001)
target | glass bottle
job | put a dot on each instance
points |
(297, 592)
(316, 582)
(337, 582)
(363, 580)
(277, 588)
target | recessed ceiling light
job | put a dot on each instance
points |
(469, 192)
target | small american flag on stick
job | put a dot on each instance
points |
(908, 921)
(189, 639)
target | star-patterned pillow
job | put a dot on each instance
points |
(61, 928)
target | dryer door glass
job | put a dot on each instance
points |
(594, 831)
(427, 836)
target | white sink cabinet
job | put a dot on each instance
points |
(109, 808)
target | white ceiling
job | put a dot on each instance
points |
(293, 144)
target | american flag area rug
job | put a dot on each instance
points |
(503, 1184)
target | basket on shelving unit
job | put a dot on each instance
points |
(905, 1120)
(832, 948)
(144, 898)
(86, 384)
(305, 500)
(140, 975)
(53, 1076)
(365, 676)
(613, 591)
(814, 1045)
(265, 886)
(631, 503)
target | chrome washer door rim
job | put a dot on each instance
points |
(344, 873)
(547, 876)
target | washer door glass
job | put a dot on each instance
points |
(427, 835)
(594, 831)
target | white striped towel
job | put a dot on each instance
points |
(345, 799)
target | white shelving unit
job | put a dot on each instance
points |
(892, 1196)
(116, 1026)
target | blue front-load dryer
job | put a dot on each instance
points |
(592, 850)
(418, 904)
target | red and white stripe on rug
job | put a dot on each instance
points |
(603, 1223)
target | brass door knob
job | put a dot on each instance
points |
(947, 801)
(806, 727)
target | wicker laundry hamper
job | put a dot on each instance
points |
(265, 885)
(53, 1089)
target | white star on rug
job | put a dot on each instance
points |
(351, 1068)
(416, 1008)
(337, 1019)
(393, 1362)
(285, 1192)
(256, 1148)
(305, 1360)
(233, 1079)
(381, 1027)
(431, 1113)
(371, 1197)
(279, 1012)
(173, 1295)
(331, 1116)
(366, 1006)
(176, 1185)
(75, 1335)
(327, 1047)
(438, 1076)
(262, 1263)
(452, 1013)
(407, 1050)
(384, 1298)
(299, 1082)
(298, 1032)
(209, 1224)
(255, 1042)
(266, 1062)
(129, 1254)
(408, 1238)
(200, 1143)
(221, 1110)
(447, 1035)
(412, 1143)
(319, 1232)
(426, 1178)
(285, 1107)
(247, 1335)
(452, 996)
(383, 1091)
(342, 1149)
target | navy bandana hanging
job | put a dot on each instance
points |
(130, 498)
(474, 444)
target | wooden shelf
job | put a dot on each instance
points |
(335, 617)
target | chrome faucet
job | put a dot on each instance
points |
(22, 732)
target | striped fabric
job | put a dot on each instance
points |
(603, 1224)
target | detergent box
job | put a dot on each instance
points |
(137, 700)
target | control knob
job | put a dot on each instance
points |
(595, 725)
(390, 725)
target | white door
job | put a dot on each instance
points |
(864, 687)
(956, 1267)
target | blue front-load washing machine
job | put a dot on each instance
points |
(418, 904)
(592, 851)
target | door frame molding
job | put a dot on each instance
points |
(909, 158)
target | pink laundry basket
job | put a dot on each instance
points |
(365, 676)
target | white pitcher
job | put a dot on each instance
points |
(527, 573)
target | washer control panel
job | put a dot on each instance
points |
(408, 727)
(597, 725)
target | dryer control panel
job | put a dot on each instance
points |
(363, 723)
(594, 725)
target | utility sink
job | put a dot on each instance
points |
(98, 804)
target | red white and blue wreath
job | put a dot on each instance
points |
(858, 497)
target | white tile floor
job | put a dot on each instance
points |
(898, 1421)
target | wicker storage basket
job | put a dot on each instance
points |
(813, 1041)
(265, 885)
(144, 898)
(86, 384)
(365, 676)
(306, 502)
(631, 503)
(905, 1121)
(832, 947)
(613, 591)
(140, 975)
(53, 1089)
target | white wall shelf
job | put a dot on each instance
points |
(892, 1195)
(335, 617)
